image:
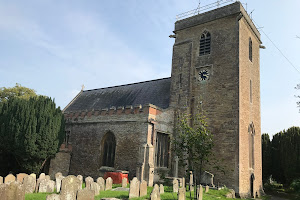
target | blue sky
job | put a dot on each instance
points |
(55, 46)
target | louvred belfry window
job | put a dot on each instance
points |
(205, 43)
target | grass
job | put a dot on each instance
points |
(168, 195)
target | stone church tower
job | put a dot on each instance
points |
(215, 69)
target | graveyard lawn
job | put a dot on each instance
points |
(211, 195)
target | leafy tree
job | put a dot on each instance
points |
(18, 92)
(31, 131)
(193, 142)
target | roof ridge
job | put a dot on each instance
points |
(128, 84)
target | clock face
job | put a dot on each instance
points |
(203, 75)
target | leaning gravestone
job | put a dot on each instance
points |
(95, 187)
(200, 193)
(14, 191)
(161, 189)
(143, 188)
(124, 182)
(85, 194)
(81, 180)
(1, 180)
(181, 193)
(21, 176)
(69, 188)
(101, 183)
(155, 195)
(29, 184)
(88, 181)
(175, 185)
(108, 184)
(9, 178)
(53, 197)
(134, 189)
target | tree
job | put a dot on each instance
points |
(266, 156)
(18, 92)
(31, 131)
(193, 142)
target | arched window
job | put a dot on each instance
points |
(108, 149)
(250, 49)
(205, 42)
(251, 131)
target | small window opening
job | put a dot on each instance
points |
(162, 150)
(250, 91)
(205, 43)
(250, 49)
(109, 147)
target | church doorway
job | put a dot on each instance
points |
(108, 149)
(252, 185)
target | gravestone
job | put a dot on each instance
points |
(21, 176)
(14, 191)
(33, 175)
(9, 178)
(181, 193)
(29, 184)
(47, 177)
(134, 188)
(95, 187)
(46, 186)
(143, 188)
(85, 194)
(200, 192)
(69, 188)
(1, 180)
(81, 180)
(207, 179)
(230, 194)
(101, 183)
(108, 183)
(155, 195)
(206, 189)
(88, 181)
(175, 185)
(161, 189)
(58, 174)
(58, 179)
(124, 182)
(53, 197)
(42, 176)
(2, 190)
(191, 181)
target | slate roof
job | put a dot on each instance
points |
(156, 92)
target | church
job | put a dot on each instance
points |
(215, 66)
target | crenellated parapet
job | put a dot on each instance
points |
(121, 110)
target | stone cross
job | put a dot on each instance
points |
(134, 189)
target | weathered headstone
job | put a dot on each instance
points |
(143, 188)
(230, 194)
(46, 186)
(33, 175)
(161, 189)
(85, 194)
(155, 195)
(42, 176)
(101, 183)
(2, 190)
(21, 176)
(207, 179)
(124, 182)
(29, 184)
(134, 188)
(53, 197)
(1, 179)
(191, 181)
(108, 183)
(200, 192)
(14, 191)
(9, 178)
(58, 180)
(81, 180)
(175, 185)
(206, 189)
(69, 188)
(181, 193)
(95, 187)
(58, 174)
(47, 177)
(88, 181)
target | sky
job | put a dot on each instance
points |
(56, 46)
